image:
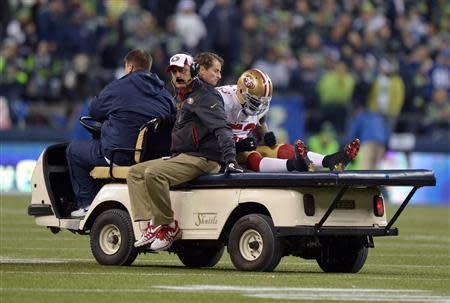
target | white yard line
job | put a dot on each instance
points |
(428, 238)
(354, 298)
(39, 239)
(411, 244)
(209, 274)
(4, 259)
(286, 293)
(251, 289)
(173, 262)
(47, 248)
(29, 261)
(314, 294)
(79, 290)
(410, 255)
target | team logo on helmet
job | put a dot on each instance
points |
(254, 91)
(248, 82)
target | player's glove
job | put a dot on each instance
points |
(233, 167)
(248, 144)
(270, 139)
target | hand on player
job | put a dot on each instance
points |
(233, 167)
(248, 144)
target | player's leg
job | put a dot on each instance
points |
(339, 160)
(299, 161)
(280, 151)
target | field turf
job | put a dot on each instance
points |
(38, 266)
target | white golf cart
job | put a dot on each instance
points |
(331, 217)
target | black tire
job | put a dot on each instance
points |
(343, 254)
(112, 238)
(253, 245)
(197, 254)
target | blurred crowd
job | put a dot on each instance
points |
(390, 56)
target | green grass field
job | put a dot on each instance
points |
(37, 266)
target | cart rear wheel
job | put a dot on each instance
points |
(343, 254)
(253, 245)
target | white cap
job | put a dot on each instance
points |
(180, 60)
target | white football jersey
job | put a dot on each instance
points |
(240, 123)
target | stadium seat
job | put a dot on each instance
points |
(153, 142)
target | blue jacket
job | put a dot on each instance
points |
(124, 105)
(369, 126)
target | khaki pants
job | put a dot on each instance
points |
(149, 184)
(370, 154)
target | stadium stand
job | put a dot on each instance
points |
(337, 54)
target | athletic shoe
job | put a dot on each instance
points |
(338, 161)
(148, 236)
(79, 213)
(301, 160)
(165, 236)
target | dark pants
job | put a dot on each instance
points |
(82, 157)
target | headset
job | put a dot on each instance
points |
(194, 68)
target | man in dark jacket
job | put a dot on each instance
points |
(201, 139)
(122, 107)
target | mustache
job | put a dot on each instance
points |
(180, 81)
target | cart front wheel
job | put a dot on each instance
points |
(112, 238)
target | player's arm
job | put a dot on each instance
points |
(260, 130)
(263, 135)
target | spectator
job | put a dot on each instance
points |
(13, 74)
(5, 120)
(189, 25)
(387, 93)
(437, 119)
(129, 21)
(145, 35)
(171, 41)
(273, 64)
(5, 15)
(13, 81)
(315, 49)
(373, 130)
(413, 35)
(325, 141)
(52, 25)
(335, 90)
(223, 27)
(252, 40)
(363, 79)
(45, 81)
(303, 80)
(440, 72)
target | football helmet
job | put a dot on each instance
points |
(254, 91)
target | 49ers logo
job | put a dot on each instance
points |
(248, 82)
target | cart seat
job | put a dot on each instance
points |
(153, 142)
